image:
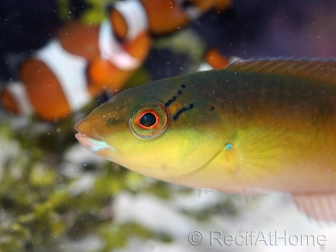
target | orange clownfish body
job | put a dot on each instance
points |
(213, 59)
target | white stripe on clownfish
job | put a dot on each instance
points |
(70, 71)
(204, 67)
(193, 12)
(18, 92)
(135, 17)
(112, 51)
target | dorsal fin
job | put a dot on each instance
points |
(322, 70)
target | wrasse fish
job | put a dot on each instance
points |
(259, 125)
(85, 60)
(255, 126)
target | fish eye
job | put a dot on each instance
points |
(149, 121)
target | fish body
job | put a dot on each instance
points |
(263, 125)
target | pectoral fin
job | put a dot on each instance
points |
(321, 207)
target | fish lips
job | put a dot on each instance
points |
(88, 142)
(86, 130)
(88, 137)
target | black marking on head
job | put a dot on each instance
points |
(212, 108)
(178, 113)
(170, 101)
(179, 92)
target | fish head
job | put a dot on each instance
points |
(140, 130)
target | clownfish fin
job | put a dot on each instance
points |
(213, 59)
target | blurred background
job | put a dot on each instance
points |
(56, 196)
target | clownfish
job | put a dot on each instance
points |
(159, 17)
(255, 126)
(213, 59)
(84, 61)
(69, 71)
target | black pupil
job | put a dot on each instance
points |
(148, 120)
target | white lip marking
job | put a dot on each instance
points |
(93, 144)
(99, 145)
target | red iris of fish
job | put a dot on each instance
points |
(149, 117)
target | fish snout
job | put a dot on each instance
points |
(87, 135)
(86, 130)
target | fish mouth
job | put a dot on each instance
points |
(92, 144)
(90, 139)
(86, 130)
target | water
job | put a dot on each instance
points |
(56, 196)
